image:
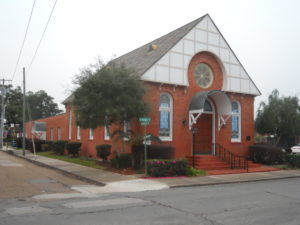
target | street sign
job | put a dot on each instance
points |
(144, 121)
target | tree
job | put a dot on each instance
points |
(40, 103)
(14, 106)
(279, 117)
(108, 94)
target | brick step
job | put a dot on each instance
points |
(207, 161)
(210, 164)
(254, 165)
(209, 168)
(236, 171)
(202, 157)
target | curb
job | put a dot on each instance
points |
(73, 175)
(232, 182)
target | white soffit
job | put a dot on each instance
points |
(172, 67)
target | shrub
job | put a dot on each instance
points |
(59, 147)
(73, 148)
(153, 152)
(293, 160)
(192, 172)
(103, 151)
(45, 147)
(37, 142)
(50, 145)
(122, 161)
(167, 167)
(266, 154)
(19, 142)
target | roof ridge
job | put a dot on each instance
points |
(173, 31)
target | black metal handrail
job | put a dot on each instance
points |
(235, 161)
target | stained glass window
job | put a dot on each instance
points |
(165, 116)
(235, 122)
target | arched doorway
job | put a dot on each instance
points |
(205, 132)
(207, 108)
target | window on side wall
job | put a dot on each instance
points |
(91, 134)
(78, 133)
(127, 128)
(58, 133)
(51, 134)
(70, 124)
(236, 122)
(165, 117)
(106, 133)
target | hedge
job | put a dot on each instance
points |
(266, 154)
(167, 168)
(73, 148)
(19, 142)
(59, 147)
(37, 143)
(122, 161)
(50, 145)
(103, 151)
(153, 152)
(293, 160)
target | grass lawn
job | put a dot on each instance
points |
(81, 160)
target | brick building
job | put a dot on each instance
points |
(195, 82)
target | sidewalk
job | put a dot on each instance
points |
(88, 174)
(102, 177)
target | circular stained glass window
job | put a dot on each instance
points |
(203, 75)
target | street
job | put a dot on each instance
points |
(71, 201)
(20, 178)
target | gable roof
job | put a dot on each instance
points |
(142, 58)
(145, 57)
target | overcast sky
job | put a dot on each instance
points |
(264, 34)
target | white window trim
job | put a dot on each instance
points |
(106, 136)
(78, 133)
(170, 138)
(239, 115)
(70, 124)
(91, 134)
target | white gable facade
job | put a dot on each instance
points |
(204, 37)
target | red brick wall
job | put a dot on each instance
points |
(53, 122)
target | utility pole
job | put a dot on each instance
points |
(3, 106)
(23, 136)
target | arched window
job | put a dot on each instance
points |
(236, 122)
(165, 116)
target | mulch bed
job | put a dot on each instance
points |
(108, 167)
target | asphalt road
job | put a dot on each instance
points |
(275, 202)
(20, 178)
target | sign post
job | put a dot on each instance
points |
(145, 121)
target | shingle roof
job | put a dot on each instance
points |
(141, 59)
(68, 99)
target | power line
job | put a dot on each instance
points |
(38, 46)
(23, 40)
